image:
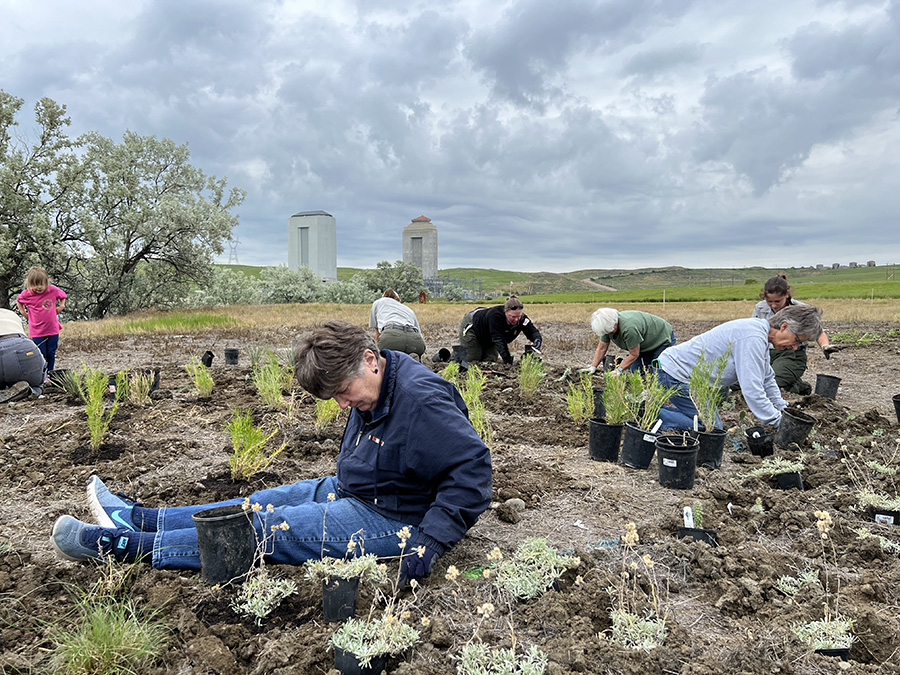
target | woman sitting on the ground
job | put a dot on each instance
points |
(409, 458)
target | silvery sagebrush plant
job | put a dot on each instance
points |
(261, 592)
(371, 637)
(481, 659)
(790, 585)
(637, 621)
(886, 544)
(772, 466)
(833, 631)
(532, 569)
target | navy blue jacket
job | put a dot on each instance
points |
(491, 328)
(416, 457)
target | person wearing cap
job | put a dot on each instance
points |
(485, 332)
(22, 367)
(396, 326)
(644, 336)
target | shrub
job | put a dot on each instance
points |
(200, 376)
(249, 455)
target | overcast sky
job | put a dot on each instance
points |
(536, 135)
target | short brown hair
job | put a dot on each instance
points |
(391, 293)
(330, 355)
(37, 277)
(513, 303)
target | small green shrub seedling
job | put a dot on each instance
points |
(248, 441)
(200, 376)
(531, 373)
(580, 398)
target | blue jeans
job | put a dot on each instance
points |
(47, 346)
(679, 413)
(302, 505)
(645, 359)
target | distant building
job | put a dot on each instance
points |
(870, 263)
(835, 266)
(312, 243)
(420, 246)
(853, 264)
(820, 266)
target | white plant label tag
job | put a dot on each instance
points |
(670, 462)
(884, 519)
(650, 438)
(688, 517)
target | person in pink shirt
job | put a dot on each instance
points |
(40, 302)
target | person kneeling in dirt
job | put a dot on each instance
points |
(396, 326)
(746, 341)
(409, 458)
(22, 367)
(643, 335)
(788, 364)
(485, 331)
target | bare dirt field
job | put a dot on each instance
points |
(724, 612)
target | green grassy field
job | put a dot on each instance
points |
(679, 283)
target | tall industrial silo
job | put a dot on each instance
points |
(312, 243)
(420, 246)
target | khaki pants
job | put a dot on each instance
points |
(409, 342)
(475, 351)
(789, 366)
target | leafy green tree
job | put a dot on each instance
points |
(280, 285)
(453, 292)
(151, 225)
(405, 278)
(38, 181)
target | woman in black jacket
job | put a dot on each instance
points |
(485, 331)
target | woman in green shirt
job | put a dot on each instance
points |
(644, 336)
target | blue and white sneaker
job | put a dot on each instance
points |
(74, 540)
(110, 510)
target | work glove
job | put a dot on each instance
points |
(616, 372)
(416, 563)
(535, 350)
(589, 369)
(537, 343)
(829, 350)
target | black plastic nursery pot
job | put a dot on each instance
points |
(790, 480)
(348, 663)
(884, 516)
(459, 353)
(604, 440)
(442, 355)
(638, 446)
(711, 537)
(207, 358)
(896, 399)
(759, 441)
(152, 373)
(827, 385)
(231, 357)
(677, 460)
(339, 598)
(227, 544)
(843, 652)
(795, 427)
(712, 447)
(599, 408)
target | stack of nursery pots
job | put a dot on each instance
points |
(676, 455)
(795, 427)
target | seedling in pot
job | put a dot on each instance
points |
(580, 398)
(704, 387)
(772, 466)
